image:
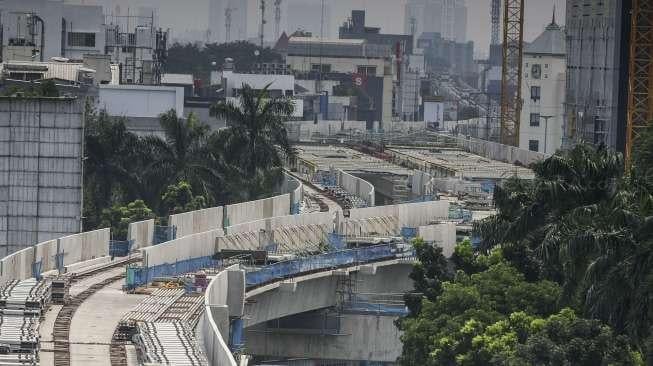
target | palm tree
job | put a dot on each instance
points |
(256, 140)
(589, 228)
(182, 155)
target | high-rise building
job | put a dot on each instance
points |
(597, 72)
(447, 17)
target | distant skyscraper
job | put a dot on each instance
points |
(447, 17)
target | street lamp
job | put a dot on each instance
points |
(546, 127)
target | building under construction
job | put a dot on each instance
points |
(596, 103)
(41, 146)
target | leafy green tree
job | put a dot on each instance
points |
(428, 274)
(257, 139)
(113, 167)
(198, 59)
(444, 329)
(179, 198)
(118, 217)
(587, 227)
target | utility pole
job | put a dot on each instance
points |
(546, 128)
(262, 30)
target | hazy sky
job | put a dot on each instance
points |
(184, 15)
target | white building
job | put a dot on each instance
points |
(37, 30)
(543, 91)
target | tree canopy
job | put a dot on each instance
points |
(189, 167)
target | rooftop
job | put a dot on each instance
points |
(466, 165)
(550, 42)
(177, 79)
(334, 157)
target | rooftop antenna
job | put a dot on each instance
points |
(277, 18)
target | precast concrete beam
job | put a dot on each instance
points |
(368, 269)
(288, 286)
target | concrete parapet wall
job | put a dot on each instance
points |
(45, 253)
(224, 297)
(199, 221)
(84, 246)
(18, 266)
(188, 247)
(422, 184)
(408, 215)
(356, 186)
(442, 235)
(500, 152)
(256, 210)
(141, 234)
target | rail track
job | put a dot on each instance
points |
(61, 330)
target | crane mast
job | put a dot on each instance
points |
(640, 81)
(511, 76)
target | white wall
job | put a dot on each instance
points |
(197, 221)
(338, 64)
(231, 80)
(256, 210)
(188, 247)
(140, 100)
(356, 186)
(84, 246)
(434, 113)
(214, 324)
(409, 214)
(142, 233)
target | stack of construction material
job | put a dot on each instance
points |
(168, 344)
(21, 305)
(60, 290)
(24, 297)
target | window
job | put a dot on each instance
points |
(326, 68)
(534, 145)
(536, 71)
(535, 120)
(535, 93)
(367, 70)
(546, 66)
(78, 39)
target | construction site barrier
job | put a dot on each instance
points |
(321, 262)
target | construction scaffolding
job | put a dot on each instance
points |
(41, 146)
(640, 84)
(513, 47)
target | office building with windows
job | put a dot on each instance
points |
(543, 91)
